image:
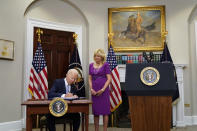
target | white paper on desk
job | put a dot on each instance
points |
(70, 98)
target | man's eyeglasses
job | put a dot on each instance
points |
(72, 79)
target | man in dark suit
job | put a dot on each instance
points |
(63, 88)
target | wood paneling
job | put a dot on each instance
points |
(150, 113)
(57, 47)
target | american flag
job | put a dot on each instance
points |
(115, 94)
(38, 84)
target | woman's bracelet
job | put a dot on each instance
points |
(103, 89)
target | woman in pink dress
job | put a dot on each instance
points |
(99, 80)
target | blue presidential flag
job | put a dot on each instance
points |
(166, 58)
(75, 63)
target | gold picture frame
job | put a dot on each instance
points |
(6, 49)
(135, 29)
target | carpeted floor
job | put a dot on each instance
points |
(91, 128)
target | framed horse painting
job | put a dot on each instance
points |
(135, 29)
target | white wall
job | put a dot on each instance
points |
(62, 13)
(93, 16)
(11, 28)
(192, 22)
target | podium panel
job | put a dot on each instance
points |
(166, 85)
(150, 113)
(150, 88)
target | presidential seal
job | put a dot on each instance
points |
(80, 80)
(58, 107)
(150, 76)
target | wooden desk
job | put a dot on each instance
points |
(42, 107)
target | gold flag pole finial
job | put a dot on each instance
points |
(110, 37)
(75, 36)
(39, 32)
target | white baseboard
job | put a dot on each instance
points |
(11, 126)
(18, 125)
(91, 119)
(194, 118)
(190, 120)
(180, 124)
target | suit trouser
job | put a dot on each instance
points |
(71, 116)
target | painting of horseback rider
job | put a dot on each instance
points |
(137, 30)
(134, 29)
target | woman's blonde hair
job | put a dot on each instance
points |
(101, 53)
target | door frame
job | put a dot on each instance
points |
(28, 47)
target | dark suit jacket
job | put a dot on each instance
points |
(59, 88)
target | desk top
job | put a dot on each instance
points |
(47, 102)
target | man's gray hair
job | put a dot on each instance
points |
(72, 71)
